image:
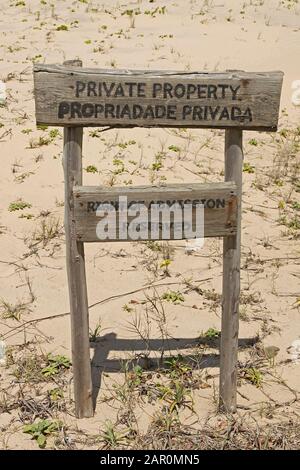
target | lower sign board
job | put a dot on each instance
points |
(171, 212)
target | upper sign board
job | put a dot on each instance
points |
(69, 96)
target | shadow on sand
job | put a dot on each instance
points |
(109, 342)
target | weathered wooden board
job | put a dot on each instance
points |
(70, 96)
(218, 199)
(231, 280)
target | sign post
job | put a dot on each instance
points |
(72, 163)
(231, 278)
(75, 97)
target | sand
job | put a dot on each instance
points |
(185, 35)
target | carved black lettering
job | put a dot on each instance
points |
(186, 111)
(214, 112)
(160, 111)
(125, 112)
(191, 89)
(109, 110)
(179, 90)
(108, 89)
(130, 86)
(91, 206)
(87, 110)
(220, 203)
(197, 113)
(148, 113)
(98, 109)
(248, 114)
(223, 88)
(63, 109)
(119, 91)
(212, 91)
(75, 109)
(202, 91)
(91, 89)
(80, 86)
(141, 93)
(168, 90)
(157, 87)
(210, 203)
(224, 114)
(171, 111)
(235, 113)
(234, 91)
(137, 111)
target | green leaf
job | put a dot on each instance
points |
(29, 428)
(41, 440)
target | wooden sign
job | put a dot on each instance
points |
(218, 200)
(74, 97)
(70, 96)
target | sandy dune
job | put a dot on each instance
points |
(183, 35)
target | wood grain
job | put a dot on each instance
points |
(219, 201)
(72, 161)
(231, 279)
(70, 96)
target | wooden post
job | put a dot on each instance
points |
(72, 161)
(231, 279)
(65, 96)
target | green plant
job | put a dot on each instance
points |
(292, 223)
(91, 169)
(165, 266)
(254, 376)
(134, 377)
(172, 296)
(54, 133)
(18, 205)
(247, 168)
(253, 142)
(94, 334)
(56, 394)
(296, 205)
(35, 143)
(62, 27)
(158, 163)
(131, 15)
(156, 166)
(154, 246)
(126, 308)
(154, 11)
(49, 228)
(37, 58)
(40, 430)
(174, 148)
(110, 436)
(13, 311)
(211, 333)
(124, 145)
(178, 367)
(55, 365)
(176, 395)
(120, 167)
